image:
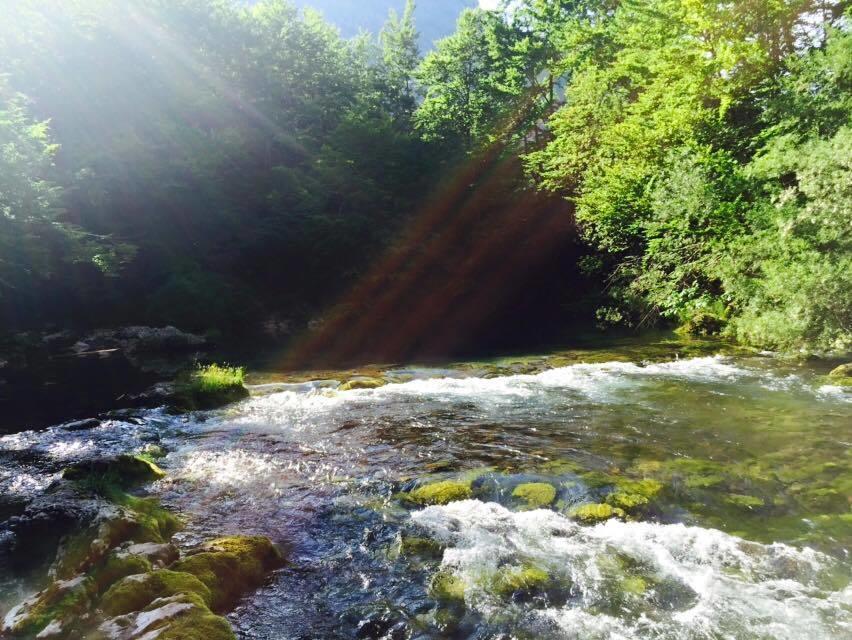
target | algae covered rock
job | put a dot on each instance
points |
(52, 612)
(362, 382)
(231, 566)
(594, 513)
(840, 376)
(124, 471)
(181, 617)
(159, 555)
(136, 592)
(535, 494)
(523, 580)
(137, 520)
(744, 501)
(419, 546)
(440, 493)
(447, 587)
(843, 371)
(631, 494)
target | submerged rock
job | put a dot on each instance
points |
(535, 494)
(520, 581)
(593, 513)
(363, 382)
(447, 587)
(440, 493)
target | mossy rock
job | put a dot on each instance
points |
(440, 493)
(632, 494)
(536, 495)
(231, 566)
(841, 372)
(594, 513)
(124, 471)
(363, 382)
(61, 606)
(524, 580)
(634, 585)
(744, 501)
(136, 592)
(150, 523)
(181, 617)
(447, 587)
(420, 547)
(116, 567)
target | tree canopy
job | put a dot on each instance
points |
(200, 162)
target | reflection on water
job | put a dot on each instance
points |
(742, 531)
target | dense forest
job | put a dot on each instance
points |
(631, 163)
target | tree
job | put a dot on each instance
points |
(400, 58)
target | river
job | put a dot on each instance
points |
(729, 471)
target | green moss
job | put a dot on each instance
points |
(744, 501)
(525, 579)
(626, 501)
(439, 493)
(231, 566)
(155, 524)
(631, 494)
(117, 567)
(419, 546)
(198, 624)
(591, 513)
(62, 602)
(143, 520)
(705, 481)
(634, 585)
(535, 494)
(447, 587)
(363, 382)
(136, 592)
(822, 499)
(209, 387)
(123, 472)
(843, 371)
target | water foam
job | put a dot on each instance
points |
(698, 583)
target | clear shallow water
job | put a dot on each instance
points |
(747, 538)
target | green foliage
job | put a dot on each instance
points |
(209, 387)
(238, 160)
(656, 147)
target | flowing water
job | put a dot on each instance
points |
(736, 470)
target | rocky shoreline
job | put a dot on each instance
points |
(116, 575)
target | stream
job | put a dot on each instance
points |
(728, 472)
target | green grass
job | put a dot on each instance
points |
(210, 386)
